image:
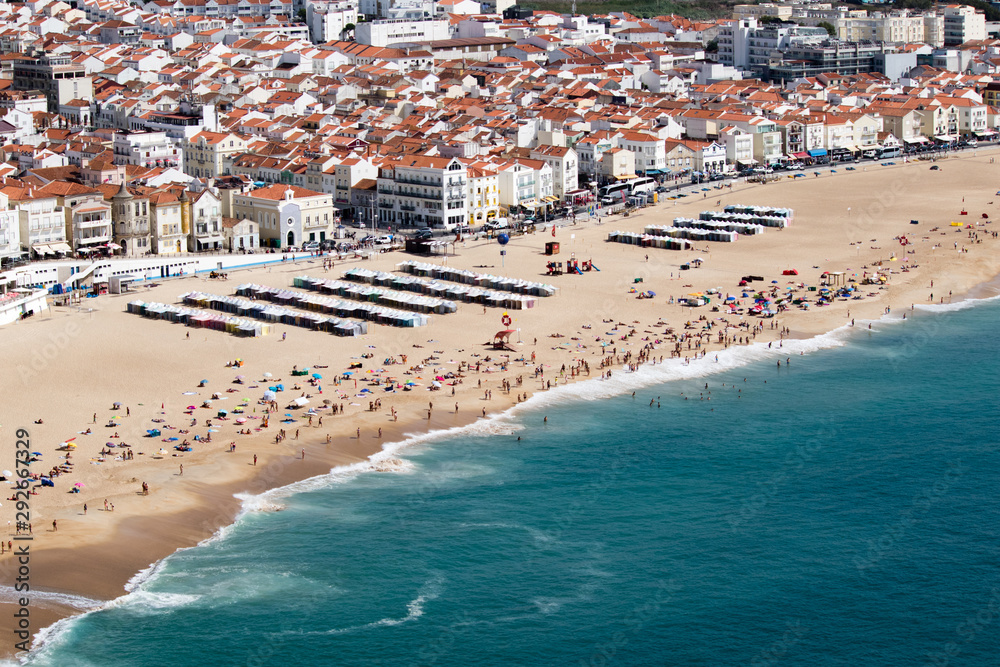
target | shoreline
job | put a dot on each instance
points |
(236, 509)
(187, 517)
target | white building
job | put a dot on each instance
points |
(10, 230)
(41, 221)
(963, 23)
(649, 150)
(525, 184)
(287, 215)
(147, 149)
(565, 172)
(422, 191)
(387, 31)
(328, 19)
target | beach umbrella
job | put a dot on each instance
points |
(317, 376)
(327, 401)
(7, 473)
(240, 377)
(191, 407)
(204, 381)
(79, 485)
(117, 404)
(268, 375)
(36, 453)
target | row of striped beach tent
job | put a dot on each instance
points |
(648, 241)
(693, 233)
(372, 294)
(745, 218)
(484, 280)
(279, 314)
(766, 211)
(338, 307)
(193, 317)
(455, 291)
(745, 228)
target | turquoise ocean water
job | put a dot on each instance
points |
(840, 510)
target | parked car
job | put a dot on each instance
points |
(384, 239)
(310, 246)
(423, 234)
(496, 224)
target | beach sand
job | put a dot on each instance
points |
(71, 364)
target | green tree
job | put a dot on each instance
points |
(712, 47)
(830, 30)
(302, 15)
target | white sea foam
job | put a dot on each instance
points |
(8, 594)
(145, 601)
(414, 609)
(956, 306)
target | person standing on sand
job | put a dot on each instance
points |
(303, 455)
(255, 459)
(54, 526)
(85, 509)
(182, 469)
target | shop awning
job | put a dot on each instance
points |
(749, 161)
(817, 152)
(653, 172)
(114, 246)
(61, 247)
(801, 156)
(944, 137)
(916, 140)
(43, 250)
